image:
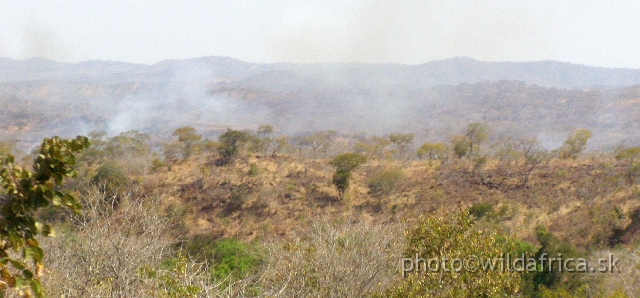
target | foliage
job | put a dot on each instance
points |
(233, 259)
(461, 146)
(432, 150)
(476, 134)
(575, 143)
(132, 143)
(383, 182)
(630, 156)
(402, 141)
(172, 151)
(6, 148)
(373, 147)
(254, 170)
(129, 143)
(455, 237)
(111, 177)
(552, 278)
(265, 130)
(171, 282)
(121, 250)
(345, 163)
(229, 144)
(319, 141)
(23, 193)
(479, 210)
(333, 259)
(187, 136)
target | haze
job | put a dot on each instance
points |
(598, 33)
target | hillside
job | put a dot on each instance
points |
(545, 99)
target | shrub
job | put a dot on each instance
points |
(122, 251)
(455, 237)
(345, 163)
(383, 182)
(333, 260)
(233, 259)
(253, 170)
(479, 210)
(111, 177)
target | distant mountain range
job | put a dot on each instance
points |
(449, 71)
(434, 100)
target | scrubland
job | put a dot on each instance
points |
(257, 214)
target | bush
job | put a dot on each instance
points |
(479, 210)
(383, 182)
(254, 170)
(111, 177)
(345, 163)
(333, 260)
(455, 237)
(233, 259)
(201, 247)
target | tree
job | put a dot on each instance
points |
(533, 154)
(133, 143)
(476, 134)
(229, 144)
(383, 182)
(432, 150)
(345, 163)
(265, 130)
(402, 141)
(23, 193)
(630, 156)
(551, 276)
(264, 140)
(373, 147)
(575, 143)
(451, 238)
(97, 152)
(460, 146)
(279, 144)
(317, 141)
(187, 136)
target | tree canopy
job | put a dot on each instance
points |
(23, 193)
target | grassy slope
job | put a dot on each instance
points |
(582, 201)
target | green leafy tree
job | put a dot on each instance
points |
(373, 147)
(229, 144)
(345, 163)
(23, 193)
(551, 276)
(265, 130)
(476, 134)
(432, 150)
(575, 143)
(460, 146)
(97, 152)
(132, 143)
(454, 237)
(631, 157)
(383, 182)
(188, 137)
(111, 178)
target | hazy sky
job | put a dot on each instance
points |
(601, 33)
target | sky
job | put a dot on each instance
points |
(598, 33)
